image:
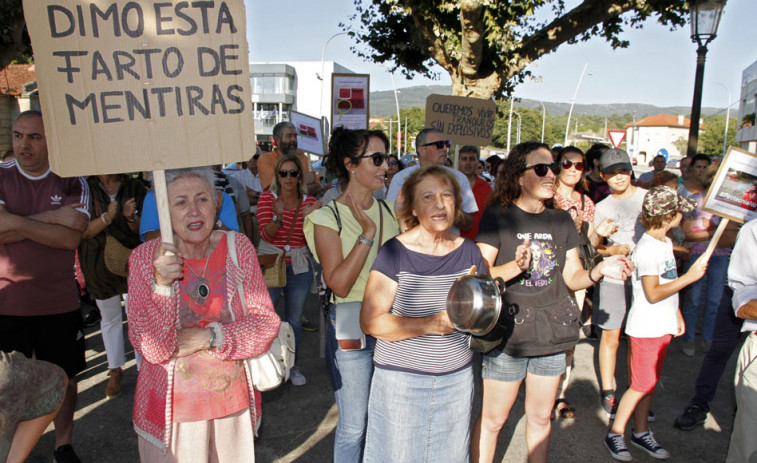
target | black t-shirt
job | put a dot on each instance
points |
(551, 232)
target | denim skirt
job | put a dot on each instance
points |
(419, 418)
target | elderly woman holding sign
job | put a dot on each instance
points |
(194, 327)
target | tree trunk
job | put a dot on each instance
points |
(474, 86)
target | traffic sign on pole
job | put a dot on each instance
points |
(616, 137)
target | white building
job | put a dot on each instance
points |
(278, 88)
(647, 136)
(746, 134)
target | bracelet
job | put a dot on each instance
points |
(102, 216)
(592, 279)
(212, 342)
(363, 240)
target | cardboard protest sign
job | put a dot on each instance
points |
(135, 85)
(465, 121)
(309, 133)
(349, 101)
(733, 193)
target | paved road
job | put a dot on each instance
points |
(299, 422)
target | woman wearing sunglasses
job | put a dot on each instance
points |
(395, 165)
(281, 213)
(571, 195)
(533, 248)
(360, 224)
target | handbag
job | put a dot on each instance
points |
(270, 369)
(275, 276)
(116, 256)
(586, 251)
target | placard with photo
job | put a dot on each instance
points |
(733, 193)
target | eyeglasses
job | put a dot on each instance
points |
(541, 169)
(565, 164)
(392, 163)
(292, 172)
(439, 144)
(378, 158)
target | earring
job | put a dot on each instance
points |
(353, 172)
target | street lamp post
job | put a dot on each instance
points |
(573, 102)
(323, 60)
(727, 117)
(705, 18)
(543, 119)
(517, 134)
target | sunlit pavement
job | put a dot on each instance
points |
(298, 423)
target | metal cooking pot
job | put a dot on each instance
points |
(474, 303)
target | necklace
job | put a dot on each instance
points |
(200, 290)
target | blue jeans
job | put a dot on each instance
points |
(724, 342)
(715, 279)
(351, 373)
(295, 293)
(419, 418)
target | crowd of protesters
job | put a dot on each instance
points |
(385, 242)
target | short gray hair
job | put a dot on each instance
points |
(420, 139)
(279, 128)
(206, 174)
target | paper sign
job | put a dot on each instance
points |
(733, 193)
(465, 121)
(616, 137)
(133, 85)
(349, 100)
(309, 133)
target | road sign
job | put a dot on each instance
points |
(616, 137)
(663, 152)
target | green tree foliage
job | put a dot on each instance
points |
(14, 41)
(711, 135)
(486, 45)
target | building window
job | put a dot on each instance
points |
(266, 84)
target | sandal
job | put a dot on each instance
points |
(566, 412)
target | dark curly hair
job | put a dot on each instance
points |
(506, 187)
(349, 144)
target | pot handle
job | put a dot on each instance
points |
(500, 285)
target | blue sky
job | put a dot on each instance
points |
(657, 68)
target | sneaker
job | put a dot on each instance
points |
(647, 443)
(307, 325)
(610, 405)
(693, 416)
(65, 454)
(113, 389)
(688, 349)
(297, 378)
(92, 318)
(651, 418)
(616, 444)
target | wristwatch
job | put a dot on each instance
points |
(361, 239)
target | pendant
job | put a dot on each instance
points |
(203, 291)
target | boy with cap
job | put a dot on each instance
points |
(653, 319)
(613, 297)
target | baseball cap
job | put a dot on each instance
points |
(662, 200)
(614, 159)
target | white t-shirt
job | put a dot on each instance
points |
(625, 213)
(647, 319)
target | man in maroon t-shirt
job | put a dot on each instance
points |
(42, 217)
(481, 189)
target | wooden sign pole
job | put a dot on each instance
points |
(715, 239)
(161, 201)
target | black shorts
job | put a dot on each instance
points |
(57, 339)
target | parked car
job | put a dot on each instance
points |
(674, 163)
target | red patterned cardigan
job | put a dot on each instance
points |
(154, 320)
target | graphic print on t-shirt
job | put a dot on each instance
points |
(543, 259)
(670, 273)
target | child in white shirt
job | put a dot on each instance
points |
(653, 319)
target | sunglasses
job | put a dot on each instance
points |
(392, 163)
(439, 144)
(541, 169)
(292, 172)
(378, 158)
(565, 164)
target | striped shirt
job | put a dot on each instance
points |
(265, 215)
(423, 282)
